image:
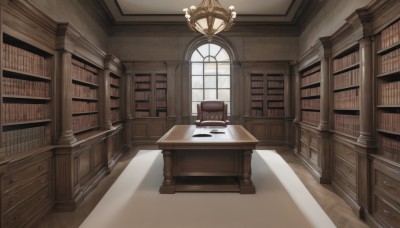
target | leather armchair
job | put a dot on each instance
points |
(212, 113)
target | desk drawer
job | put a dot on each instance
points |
(21, 176)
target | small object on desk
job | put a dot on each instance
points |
(201, 132)
(217, 131)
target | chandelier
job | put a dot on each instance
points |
(210, 18)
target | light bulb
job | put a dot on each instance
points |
(232, 8)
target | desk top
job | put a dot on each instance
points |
(233, 137)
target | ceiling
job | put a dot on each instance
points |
(170, 11)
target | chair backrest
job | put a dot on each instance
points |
(212, 112)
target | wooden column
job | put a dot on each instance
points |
(366, 95)
(127, 81)
(171, 93)
(184, 97)
(247, 90)
(246, 185)
(324, 54)
(67, 135)
(236, 91)
(104, 95)
(297, 107)
(287, 104)
(167, 186)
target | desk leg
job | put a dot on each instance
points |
(167, 186)
(246, 185)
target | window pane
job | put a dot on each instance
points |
(210, 68)
(194, 107)
(224, 82)
(196, 57)
(210, 82)
(197, 82)
(224, 68)
(214, 49)
(210, 94)
(203, 49)
(224, 94)
(197, 95)
(197, 68)
(229, 107)
(223, 56)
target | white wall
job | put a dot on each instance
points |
(331, 17)
(73, 11)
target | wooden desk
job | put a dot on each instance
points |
(218, 163)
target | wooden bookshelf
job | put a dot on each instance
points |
(388, 92)
(346, 92)
(267, 95)
(150, 94)
(310, 79)
(85, 97)
(26, 97)
(115, 98)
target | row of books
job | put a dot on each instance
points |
(142, 85)
(390, 35)
(311, 104)
(22, 140)
(13, 112)
(390, 61)
(146, 78)
(84, 66)
(114, 92)
(257, 91)
(311, 79)
(310, 117)
(275, 97)
(115, 116)
(346, 61)
(15, 58)
(389, 122)
(160, 85)
(81, 74)
(19, 87)
(348, 78)
(142, 105)
(257, 84)
(142, 95)
(275, 104)
(275, 112)
(390, 93)
(346, 124)
(84, 106)
(275, 84)
(161, 94)
(114, 81)
(347, 99)
(307, 92)
(257, 112)
(140, 114)
(391, 148)
(80, 123)
(161, 104)
(256, 104)
(311, 71)
(275, 91)
(257, 97)
(161, 77)
(83, 91)
(114, 103)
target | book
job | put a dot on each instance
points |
(207, 132)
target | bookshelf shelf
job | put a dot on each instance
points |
(389, 48)
(86, 129)
(92, 85)
(83, 113)
(267, 95)
(347, 68)
(310, 84)
(151, 94)
(346, 88)
(315, 84)
(115, 98)
(26, 104)
(85, 99)
(389, 74)
(388, 131)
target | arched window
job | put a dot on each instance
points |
(211, 75)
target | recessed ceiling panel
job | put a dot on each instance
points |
(171, 10)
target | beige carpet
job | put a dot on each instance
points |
(281, 200)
